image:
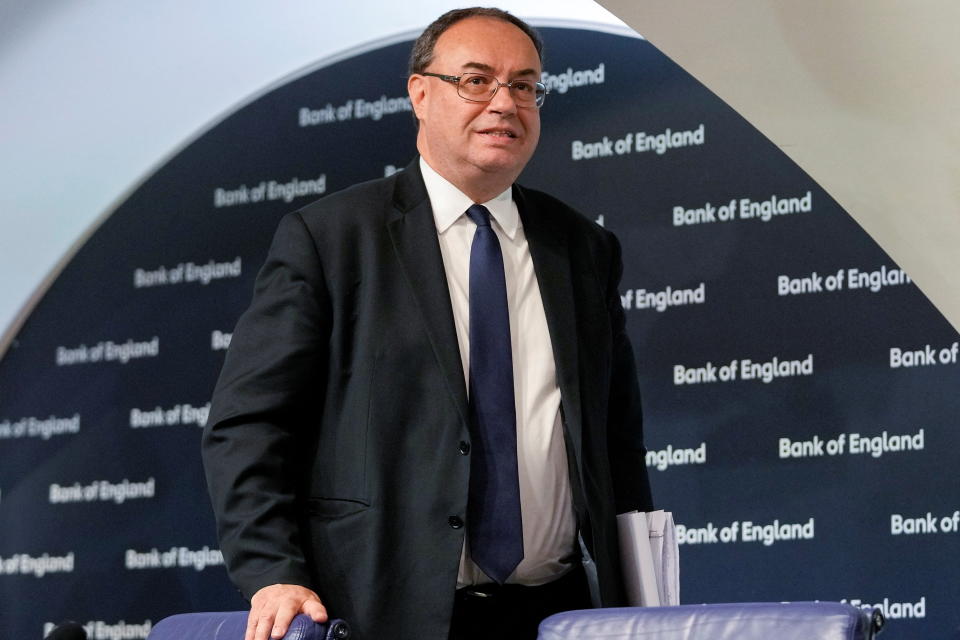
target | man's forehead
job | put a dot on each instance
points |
(480, 43)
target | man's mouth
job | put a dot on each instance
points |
(499, 133)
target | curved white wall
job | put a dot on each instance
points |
(862, 95)
(97, 93)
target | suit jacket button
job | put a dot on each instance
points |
(464, 447)
(455, 522)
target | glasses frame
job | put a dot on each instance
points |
(538, 101)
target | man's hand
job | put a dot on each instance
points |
(273, 608)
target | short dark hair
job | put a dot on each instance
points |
(422, 54)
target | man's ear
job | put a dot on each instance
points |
(417, 90)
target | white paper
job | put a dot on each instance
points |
(670, 564)
(650, 558)
(656, 521)
(636, 559)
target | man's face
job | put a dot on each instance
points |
(471, 143)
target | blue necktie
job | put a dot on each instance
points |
(493, 512)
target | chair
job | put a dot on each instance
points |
(741, 621)
(231, 625)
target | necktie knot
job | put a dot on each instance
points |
(479, 214)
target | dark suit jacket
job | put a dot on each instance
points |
(332, 448)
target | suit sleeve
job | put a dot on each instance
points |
(625, 427)
(254, 445)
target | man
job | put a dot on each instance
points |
(429, 401)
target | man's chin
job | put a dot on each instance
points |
(503, 162)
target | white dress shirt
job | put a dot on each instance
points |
(546, 506)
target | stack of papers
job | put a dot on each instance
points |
(650, 558)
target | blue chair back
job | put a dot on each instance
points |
(741, 621)
(231, 625)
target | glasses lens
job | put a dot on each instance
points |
(527, 93)
(476, 86)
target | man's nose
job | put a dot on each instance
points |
(503, 101)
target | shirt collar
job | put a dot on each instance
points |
(449, 203)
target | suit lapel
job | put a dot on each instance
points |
(414, 237)
(550, 251)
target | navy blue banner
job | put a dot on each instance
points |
(800, 391)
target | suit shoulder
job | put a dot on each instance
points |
(356, 204)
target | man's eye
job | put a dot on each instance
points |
(477, 81)
(522, 85)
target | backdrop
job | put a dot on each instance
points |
(800, 392)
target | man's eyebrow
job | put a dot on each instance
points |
(479, 66)
(485, 68)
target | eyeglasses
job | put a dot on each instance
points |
(479, 87)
